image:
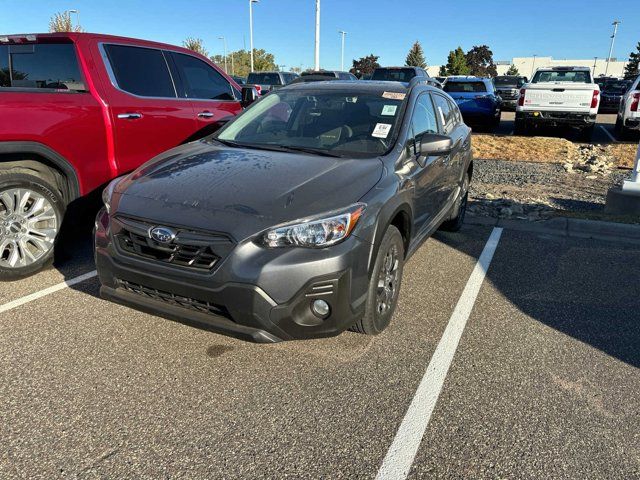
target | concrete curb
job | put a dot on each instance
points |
(566, 227)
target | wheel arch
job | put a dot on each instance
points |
(400, 217)
(41, 158)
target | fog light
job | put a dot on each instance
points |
(320, 308)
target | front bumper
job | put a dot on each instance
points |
(257, 294)
(548, 118)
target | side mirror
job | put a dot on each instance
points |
(249, 95)
(434, 144)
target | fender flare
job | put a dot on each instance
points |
(37, 148)
(383, 222)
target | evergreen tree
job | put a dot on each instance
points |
(513, 70)
(415, 57)
(457, 63)
(443, 71)
(633, 65)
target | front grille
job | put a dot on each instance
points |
(189, 249)
(173, 299)
(508, 94)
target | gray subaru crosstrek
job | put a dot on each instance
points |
(295, 219)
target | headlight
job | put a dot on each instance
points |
(315, 232)
(108, 192)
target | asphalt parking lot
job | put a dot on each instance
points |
(603, 133)
(543, 383)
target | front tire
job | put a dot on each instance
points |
(384, 284)
(31, 213)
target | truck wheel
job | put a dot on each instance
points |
(519, 128)
(31, 212)
(459, 209)
(384, 285)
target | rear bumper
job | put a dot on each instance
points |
(275, 306)
(632, 123)
(548, 118)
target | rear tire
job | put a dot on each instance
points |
(586, 133)
(384, 284)
(459, 209)
(31, 212)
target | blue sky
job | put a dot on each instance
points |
(557, 28)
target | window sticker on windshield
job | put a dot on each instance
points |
(389, 110)
(394, 95)
(381, 130)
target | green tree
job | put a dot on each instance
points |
(415, 57)
(61, 22)
(513, 70)
(480, 61)
(239, 62)
(443, 71)
(633, 65)
(195, 44)
(457, 63)
(364, 65)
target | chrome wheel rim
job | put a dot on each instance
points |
(28, 227)
(388, 281)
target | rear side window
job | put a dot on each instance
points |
(141, 71)
(445, 113)
(201, 81)
(52, 66)
(452, 86)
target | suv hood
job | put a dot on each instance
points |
(241, 191)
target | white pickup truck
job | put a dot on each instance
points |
(559, 96)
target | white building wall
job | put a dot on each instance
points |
(527, 65)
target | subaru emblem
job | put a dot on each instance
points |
(162, 234)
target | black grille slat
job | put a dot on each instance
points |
(173, 299)
(194, 250)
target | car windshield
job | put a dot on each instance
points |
(333, 122)
(320, 73)
(616, 87)
(264, 78)
(394, 74)
(508, 81)
(453, 86)
(574, 76)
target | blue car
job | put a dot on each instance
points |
(477, 100)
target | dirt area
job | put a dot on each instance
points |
(547, 150)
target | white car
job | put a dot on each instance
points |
(628, 121)
(559, 96)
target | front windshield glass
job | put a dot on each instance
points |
(341, 123)
(264, 78)
(508, 81)
(574, 76)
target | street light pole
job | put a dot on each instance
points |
(533, 67)
(613, 39)
(595, 62)
(251, 2)
(342, 33)
(317, 53)
(224, 44)
(77, 12)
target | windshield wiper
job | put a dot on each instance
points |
(315, 151)
(279, 148)
(229, 143)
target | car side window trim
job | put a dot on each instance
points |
(411, 135)
(183, 82)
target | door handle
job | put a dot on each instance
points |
(130, 116)
(205, 114)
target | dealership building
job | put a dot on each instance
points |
(527, 65)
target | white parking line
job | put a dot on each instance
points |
(47, 291)
(613, 139)
(401, 453)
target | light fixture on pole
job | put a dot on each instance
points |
(224, 44)
(613, 39)
(77, 12)
(251, 2)
(342, 34)
(317, 52)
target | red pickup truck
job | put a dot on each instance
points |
(78, 109)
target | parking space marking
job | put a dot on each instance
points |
(403, 449)
(47, 291)
(613, 139)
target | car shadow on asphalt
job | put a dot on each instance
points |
(584, 288)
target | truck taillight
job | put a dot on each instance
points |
(594, 98)
(521, 97)
(635, 100)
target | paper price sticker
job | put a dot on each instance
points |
(389, 110)
(382, 130)
(394, 95)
